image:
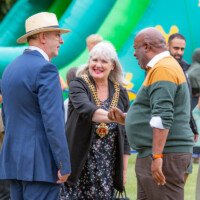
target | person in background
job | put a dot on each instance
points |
(92, 40)
(62, 83)
(196, 115)
(193, 75)
(157, 123)
(34, 154)
(176, 46)
(4, 184)
(71, 74)
(98, 148)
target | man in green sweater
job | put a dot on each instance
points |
(157, 123)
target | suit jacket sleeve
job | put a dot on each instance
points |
(52, 111)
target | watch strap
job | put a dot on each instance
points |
(154, 156)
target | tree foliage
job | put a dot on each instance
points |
(5, 6)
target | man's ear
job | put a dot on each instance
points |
(147, 46)
(168, 45)
(42, 37)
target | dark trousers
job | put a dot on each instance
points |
(174, 168)
(4, 190)
(25, 190)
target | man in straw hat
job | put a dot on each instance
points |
(34, 153)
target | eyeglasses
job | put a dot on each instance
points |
(58, 36)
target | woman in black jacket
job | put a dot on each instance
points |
(98, 147)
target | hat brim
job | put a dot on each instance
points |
(23, 39)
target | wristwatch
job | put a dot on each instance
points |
(154, 156)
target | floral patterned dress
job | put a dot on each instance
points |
(96, 180)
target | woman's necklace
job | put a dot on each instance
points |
(102, 129)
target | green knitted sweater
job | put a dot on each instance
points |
(163, 94)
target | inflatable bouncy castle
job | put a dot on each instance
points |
(115, 20)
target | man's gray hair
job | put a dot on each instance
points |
(106, 49)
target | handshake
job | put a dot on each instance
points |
(116, 115)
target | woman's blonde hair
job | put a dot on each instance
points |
(106, 49)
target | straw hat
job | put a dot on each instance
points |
(41, 22)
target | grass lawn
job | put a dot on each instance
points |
(131, 186)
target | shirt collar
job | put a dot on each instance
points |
(157, 58)
(40, 50)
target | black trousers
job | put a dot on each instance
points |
(4, 190)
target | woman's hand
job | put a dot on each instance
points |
(124, 177)
(116, 115)
(125, 164)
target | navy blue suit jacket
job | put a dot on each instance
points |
(34, 146)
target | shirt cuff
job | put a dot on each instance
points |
(156, 122)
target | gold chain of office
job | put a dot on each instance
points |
(102, 129)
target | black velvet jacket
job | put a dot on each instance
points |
(80, 128)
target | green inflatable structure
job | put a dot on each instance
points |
(118, 21)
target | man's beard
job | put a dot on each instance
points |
(180, 57)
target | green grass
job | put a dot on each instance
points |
(131, 186)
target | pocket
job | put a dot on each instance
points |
(182, 160)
